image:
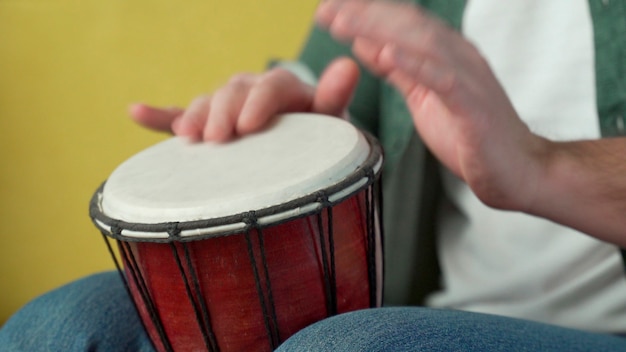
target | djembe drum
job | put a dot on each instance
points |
(237, 246)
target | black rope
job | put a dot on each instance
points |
(257, 280)
(333, 272)
(119, 270)
(325, 273)
(129, 258)
(190, 296)
(124, 281)
(198, 304)
(276, 333)
(328, 291)
(381, 235)
(207, 328)
(99, 217)
(371, 247)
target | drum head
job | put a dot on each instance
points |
(180, 181)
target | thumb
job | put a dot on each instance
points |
(336, 87)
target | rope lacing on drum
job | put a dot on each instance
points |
(173, 230)
(140, 284)
(267, 305)
(328, 253)
(370, 204)
(194, 294)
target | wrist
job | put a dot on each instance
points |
(553, 166)
(582, 186)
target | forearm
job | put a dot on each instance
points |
(584, 186)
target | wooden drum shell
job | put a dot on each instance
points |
(244, 316)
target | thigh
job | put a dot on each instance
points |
(424, 329)
(91, 314)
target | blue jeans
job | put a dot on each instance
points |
(425, 329)
(91, 314)
(96, 314)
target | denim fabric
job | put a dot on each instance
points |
(425, 329)
(91, 314)
(96, 314)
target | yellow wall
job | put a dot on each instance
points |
(68, 71)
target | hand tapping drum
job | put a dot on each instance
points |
(237, 246)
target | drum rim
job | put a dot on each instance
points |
(361, 178)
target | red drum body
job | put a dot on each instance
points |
(257, 288)
(247, 282)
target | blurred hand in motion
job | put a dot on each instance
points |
(458, 106)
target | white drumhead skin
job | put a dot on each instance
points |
(177, 180)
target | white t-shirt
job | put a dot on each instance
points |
(510, 263)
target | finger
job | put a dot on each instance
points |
(404, 25)
(369, 54)
(336, 87)
(327, 15)
(439, 78)
(226, 108)
(158, 119)
(192, 122)
(403, 71)
(277, 91)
